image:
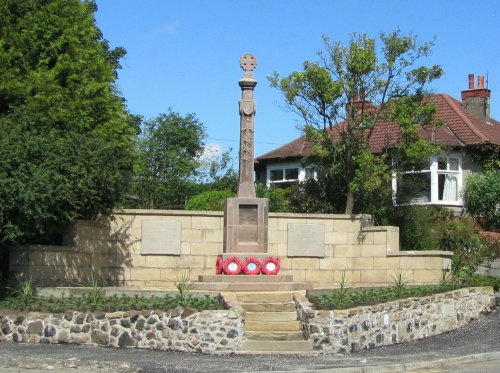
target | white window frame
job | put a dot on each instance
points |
(284, 166)
(434, 173)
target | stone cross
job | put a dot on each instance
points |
(245, 216)
(247, 83)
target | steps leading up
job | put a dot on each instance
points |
(275, 346)
(248, 283)
(271, 316)
(258, 335)
(271, 323)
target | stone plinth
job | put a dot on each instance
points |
(245, 225)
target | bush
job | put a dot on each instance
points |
(277, 198)
(469, 249)
(419, 226)
(482, 198)
(212, 200)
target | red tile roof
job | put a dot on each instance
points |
(460, 128)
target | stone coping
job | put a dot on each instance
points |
(167, 212)
(420, 253)
(221, 213)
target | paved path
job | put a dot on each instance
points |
(477, 344)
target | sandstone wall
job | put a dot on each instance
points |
(153, 248)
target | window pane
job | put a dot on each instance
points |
(276, 175)
(291, 173)
(310, 173)
(448, 187)
(414, 188)
(453, 164)
(442, 163)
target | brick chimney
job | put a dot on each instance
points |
(358, 104)
(476, 100)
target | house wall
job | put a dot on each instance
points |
(154, 248)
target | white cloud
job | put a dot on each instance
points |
(210, 153)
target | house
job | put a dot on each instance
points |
(467, 127)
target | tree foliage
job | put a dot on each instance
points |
(211, 200)
(170, 147)
(353, 87)
(66, 139)
(482, 198)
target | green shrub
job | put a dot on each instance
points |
(462, 237)
(418, 226)
(109, 304)
(482, 198)
(277, 198)
(478, 280)
(212, 200)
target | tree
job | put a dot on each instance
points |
(353, 87)
(66, 139)
(170, 147)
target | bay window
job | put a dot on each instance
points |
(440, 183)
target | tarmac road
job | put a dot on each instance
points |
(476, 345)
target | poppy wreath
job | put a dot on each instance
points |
(251, 266)
(232, 266)
(270, 266)
(219, 266)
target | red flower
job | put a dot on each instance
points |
(219, 265)
(270, 266)
(232, 266)
(251, 266)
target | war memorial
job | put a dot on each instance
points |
(260, 263)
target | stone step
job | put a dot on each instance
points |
(264, 297)
(276, 346)
(251, 286)
(245, 278)
(271, 316)
(287, 326)
(258, 335)
(269, 307)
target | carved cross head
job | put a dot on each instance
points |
(248, 64)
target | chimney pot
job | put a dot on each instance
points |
(480, 82)
(471, 81)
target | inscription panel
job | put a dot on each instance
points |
(161, 237)
(248, 215)
(306, 240)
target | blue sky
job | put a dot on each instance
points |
(185, 55)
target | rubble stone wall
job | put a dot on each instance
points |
(363, 328)
(185, 330)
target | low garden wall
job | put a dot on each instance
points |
(154, 248)
(363, 328)
(223, 331)
(178, 330)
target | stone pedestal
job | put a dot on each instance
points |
(245, 225)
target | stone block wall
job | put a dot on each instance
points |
(154, 248)
(363, 328)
